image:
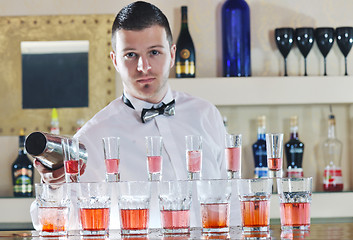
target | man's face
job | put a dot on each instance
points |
(143, 59)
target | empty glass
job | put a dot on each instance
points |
(174, 203)
(324, 37)
(344, 36)
(305, 41)
(284, 38)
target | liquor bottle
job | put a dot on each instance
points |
(22, 172)
(185, 52)
(259, 149)
(236, 39)
(332, 152)
(294, 150)
(54, 129)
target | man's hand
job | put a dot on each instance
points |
(48, 175)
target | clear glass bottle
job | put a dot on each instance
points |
(294, 150)
(236, 39)
(332, 153)
(185, 59)
(22, 172)
(259, 149)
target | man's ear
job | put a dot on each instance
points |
(113, 58)
(172, 54)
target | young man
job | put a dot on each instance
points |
(143, 54)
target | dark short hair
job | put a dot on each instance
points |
(138, 16)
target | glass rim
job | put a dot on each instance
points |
(288, 179)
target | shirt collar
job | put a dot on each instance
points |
(140, 104)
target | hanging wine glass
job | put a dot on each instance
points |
(304, 40)
(284, 41)
(344, 36)
(324, 37)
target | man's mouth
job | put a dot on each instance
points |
(145, 80)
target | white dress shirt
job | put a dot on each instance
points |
(193, 116)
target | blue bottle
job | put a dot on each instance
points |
(259, 149)
(236, 39)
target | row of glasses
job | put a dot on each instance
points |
(304, 38)
(175, 197)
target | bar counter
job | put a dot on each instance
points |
(331, 231)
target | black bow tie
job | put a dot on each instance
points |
(165, 109)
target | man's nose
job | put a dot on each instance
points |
(143, 65)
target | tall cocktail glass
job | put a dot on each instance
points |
(254, 196)
(134, 205)
(174, 204)
(53, 203)
(274, 147)
(154, 157)
(94, 208)
(194, 156)
(214, 197)
(111, 158)
(233, 155)
(295, 199)
(72, 163)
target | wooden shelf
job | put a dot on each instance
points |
(269, 90)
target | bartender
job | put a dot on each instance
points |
(143, 54)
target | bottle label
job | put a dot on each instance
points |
(295, 173)
(296, 150)
(261, 172)
(184, 53)
(55, 130)
(333, 176)
(185, 68)
(23, 172)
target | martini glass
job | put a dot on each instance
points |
(284, 40)
(344, 36)
(324, 38)
(304, 40)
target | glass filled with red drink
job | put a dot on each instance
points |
(233, 155)
(295, 199)
(254, 196)
(274, 147)
(53, 202)
(154, 146)
(72, 163)
(214, 197)
(94, 208)
(134, 204)
(111, 147)
(193, 156)
(174, 204)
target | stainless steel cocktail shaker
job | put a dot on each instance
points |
(47, 149)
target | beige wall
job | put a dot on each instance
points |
(204, 23)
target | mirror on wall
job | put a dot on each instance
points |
(54, 74)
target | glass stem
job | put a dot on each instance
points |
(285, 67)
(325, 74)
(345, 66)
(305, 74)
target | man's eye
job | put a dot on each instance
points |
(155, 52)
(130, 55)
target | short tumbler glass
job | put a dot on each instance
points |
(174, 204)
(254, 196)
(94, 208)
(53, 203)
(295, 198)
(134, 204)
(214, 196)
